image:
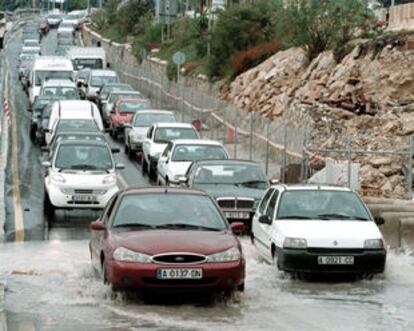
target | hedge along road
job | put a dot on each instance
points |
(51, 285)
(24, 182)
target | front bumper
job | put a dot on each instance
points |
(220, 276)
(62, 200)
(306, 260)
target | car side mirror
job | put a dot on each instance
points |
(29, 109)
(379, 220)
(264, 219)
(183, 180)
(46, 164)
(47, 131)
(115, 150)
(274, 181)
(45, 149)
(119, 166)
(237, 228)
(112, 111)
(97, 226)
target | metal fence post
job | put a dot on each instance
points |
(225, 125)
(284, 163)
(304, 170)
(410, 170)
(235, 133)
(349, 155)
(267, 146)
(251, 136)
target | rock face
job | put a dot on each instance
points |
(367, 97)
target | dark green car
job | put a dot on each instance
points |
(236, 185)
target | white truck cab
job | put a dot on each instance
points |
(87, 57)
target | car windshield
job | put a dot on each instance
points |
(34, 51)
(241, 174)
(133, 106)
(79, 64)
(115, 96)
(83, 157)
(64, 92)
(166, 211)
(148, 119)
(164, 135)
(99, 81)
(41, 75)
(198, 152)
(322, 205)
(77, 124)
(54, 17)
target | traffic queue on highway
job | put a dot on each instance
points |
(181, 232)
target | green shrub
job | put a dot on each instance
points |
(131, 14)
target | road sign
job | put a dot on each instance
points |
(179, 58)
(166, 11)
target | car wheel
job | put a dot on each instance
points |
(33, 133)
(48, 208)
(240, 288)
(114, 133)
(130, 153)
(144, 166)
(104, 274)
(126, 149)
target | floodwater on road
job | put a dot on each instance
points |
(51, 286)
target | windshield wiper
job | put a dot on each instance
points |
(186, 226)
(251, 182)
(134, 225)
(294, 217)
(342, 217)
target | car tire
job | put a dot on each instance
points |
(48, 208)
(114, 133)
(151, 171)
(144, 166)
(126, 149)
(33, 133)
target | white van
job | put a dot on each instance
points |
(86, 57)
(73, 115)
(47, 67)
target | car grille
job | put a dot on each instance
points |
(236, 203)
(335, 250)
(179, 258)
(80, 191)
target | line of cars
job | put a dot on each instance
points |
(183, 234)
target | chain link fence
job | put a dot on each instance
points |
(246, 135)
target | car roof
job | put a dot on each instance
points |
(162, 190)
(173, 125)
(58, 82)
(154, 111)
(225, 161)
(78, 142)
(311, 187)
(115, 84)
(196, 142)
(103, 72)
(131, 99)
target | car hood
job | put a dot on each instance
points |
(154, 242)
(330, 234)
(178, 168)
(85, 179)
(222, 190)
(141, 130)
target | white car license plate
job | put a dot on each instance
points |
(337, 260)
(180, 273)
(237, 214)
(83, 198)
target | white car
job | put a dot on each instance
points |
(136, 131)
(31, 46)
(158, 136)
(81, 174)
(79, 115)
(96, 79)
(179, 154)
(318, 229)
(63, 88)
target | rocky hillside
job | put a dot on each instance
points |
(367, 97)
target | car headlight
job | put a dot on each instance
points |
(295, 243)
(58, 178)
(108, 180)
(125, 255)
(232, 254)
(374, 243)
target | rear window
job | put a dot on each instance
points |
(77, 124)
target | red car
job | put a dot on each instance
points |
(167, 238)
(123, 112)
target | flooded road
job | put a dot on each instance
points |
(51, 286)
